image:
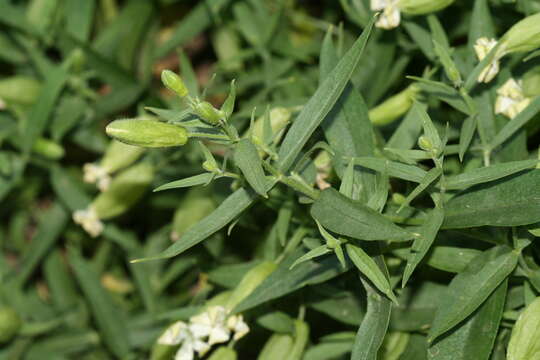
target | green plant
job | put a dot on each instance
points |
(367, 191)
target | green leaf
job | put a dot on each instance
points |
(450, 259)
(427, 233)
(473, 338)
(195, 180)
(226, 212)
(430, 177)
(516, 123)
(466, 135)
(109, 320)
(228, 104)
(444, 92)
(367, 266)
(246, 157)
(486, 174)
(284, 281)
(524, 343)
(374, 325)
(320, 104)
(469, 289)
(511, 201)
(394, 169)
(318, 251)
(347, 217)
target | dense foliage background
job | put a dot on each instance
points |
(460, 208)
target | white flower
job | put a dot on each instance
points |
(179, 333)
(390, 16)
(482, 47)
(89, 220)
(93, 173)
(211, 324)
(511, 100)
(236, 323)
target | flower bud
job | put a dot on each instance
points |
(394, 107)
(147, 133)
(19, 90)
(48, 149)
(249, 282)
(10, 324)
(524, 344)
(523, 36)
(125, 190)
(425, 144)
(280, 117)
(195, 206)
(420, 7)
(482, 47)
(174, 82)
(278, 346)
(223, 353)
(119, 155)
(207, 112)
(531, 82)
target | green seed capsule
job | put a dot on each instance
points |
(249, 282)
(119, 155)
(278, 346)
(48, 148)
(207, 112)
(395, 107)
(147, 133)
(420, 7)
(524, 344)
(124, 191)
(523, 36)
(174, 83)
(10, 324)
(424, 143)
(195, 206)
(280, 117)
(223, 353)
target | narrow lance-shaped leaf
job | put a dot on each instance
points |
(321, 102)
(466, 135)
(510, 201)
(187, 182)
(430, 177)
(476, 335)
(226, 212)
(488, 173)
(394, 169)
(318, 251)
(347, 217)
(469, 289)
(524, 344)
(367, 266)
(423, 242)
(246, 157)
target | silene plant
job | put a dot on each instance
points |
(359, 180)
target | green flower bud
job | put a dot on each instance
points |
(124, 191)
(523, 36)
(524, 344)
(394, 107)
(19, 90)
(48, 148)
(531, 82)
(10, 324)
(398, 198)
(424, 143)
(119, 155)
(420, 7)
(278, 346)
(195, 206)
(207, 112)
(174, 82)
(223, 353)
(280, 117)
(147, 133)
(249, 282)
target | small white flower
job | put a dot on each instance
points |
(236, 324)
(390, 16)
(211, 323)
(89, 220)
(511, 100)
(179, 333)
(482, 47)
(93, 173)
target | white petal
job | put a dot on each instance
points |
(389, 18)
(89, 220)
(377, 5)
(201, 319)
(200, 330)
(219, 334)
(174, 334)
(185, 352)
(200, 347)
